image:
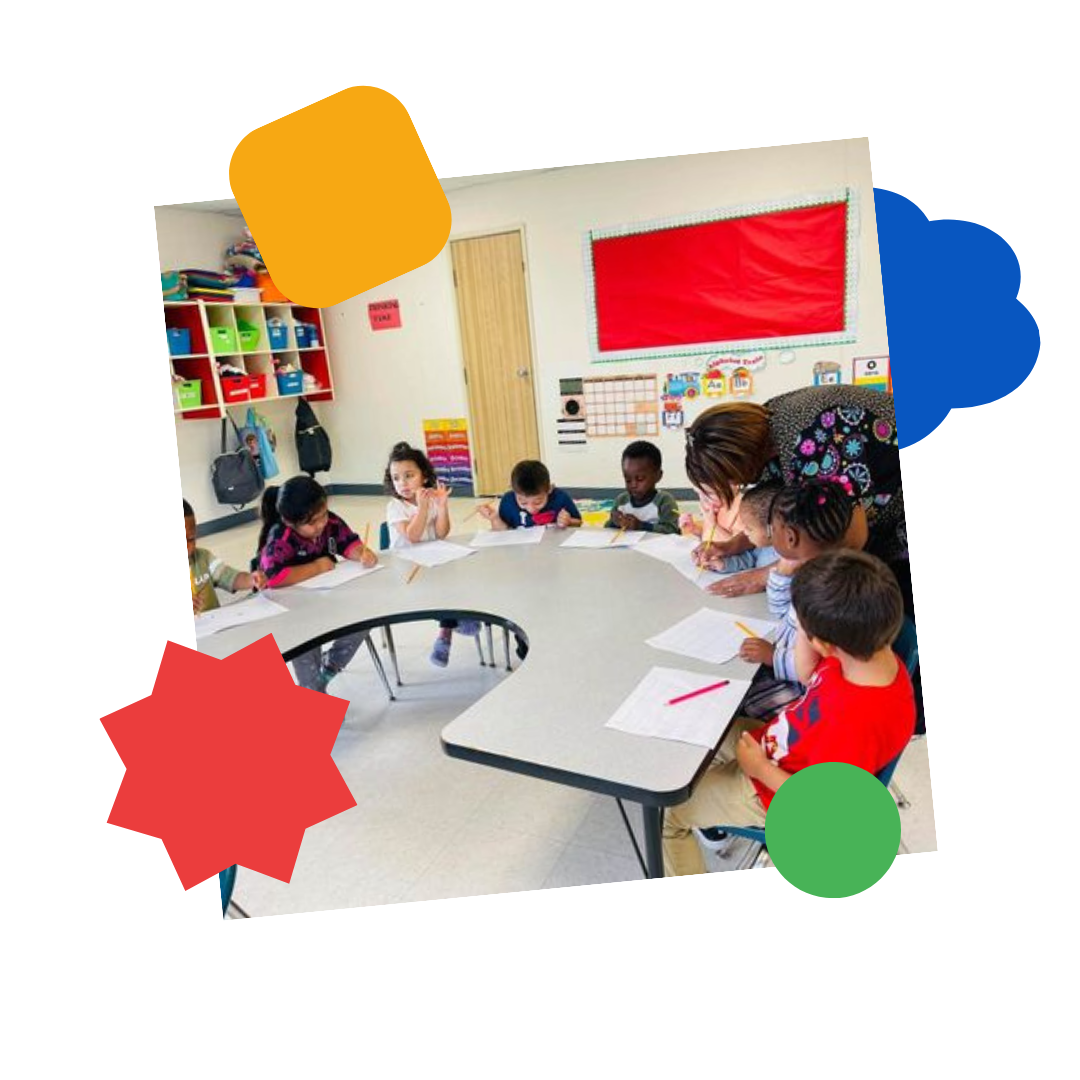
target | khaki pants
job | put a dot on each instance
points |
(723, 796)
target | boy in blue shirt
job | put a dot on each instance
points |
(532, 500)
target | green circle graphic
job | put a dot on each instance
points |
(832, 830)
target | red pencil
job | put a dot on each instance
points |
(695, 693)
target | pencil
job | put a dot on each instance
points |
(617, 537)
(745, 629)
(708, 544)
(696, 693)
(367, 533)
(412, 573)
(472, 513)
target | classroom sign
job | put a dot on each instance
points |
(873, 373)
(385, 315)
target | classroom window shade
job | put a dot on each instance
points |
(775, 277)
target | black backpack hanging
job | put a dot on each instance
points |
(312, 443)
(235, 476)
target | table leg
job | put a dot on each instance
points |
(653, 820)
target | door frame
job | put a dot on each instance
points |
(479, 234)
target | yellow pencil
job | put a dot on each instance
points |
(412, 573)
(745, 629)
(472, 513)
(708, 544)
(367, 533)
(617, 537)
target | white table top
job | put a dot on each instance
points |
(586, 615)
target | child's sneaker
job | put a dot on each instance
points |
(323, 679)
(440, 654)
(468, 627)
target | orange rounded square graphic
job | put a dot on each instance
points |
(340, 196)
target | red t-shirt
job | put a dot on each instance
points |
(835, 720)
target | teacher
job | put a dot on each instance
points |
(841, 433)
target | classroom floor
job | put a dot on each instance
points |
(427, 827)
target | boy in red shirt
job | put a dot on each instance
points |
(859, 706)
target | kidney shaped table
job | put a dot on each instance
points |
(585, 615)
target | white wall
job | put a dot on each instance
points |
(387, 382)
(393, 379)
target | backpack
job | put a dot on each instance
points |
(235, 476)
(312, 443)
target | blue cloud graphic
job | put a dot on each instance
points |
(958, 337)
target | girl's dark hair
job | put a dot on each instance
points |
(819, 508)
(296, 502)
(727, 446)
(758, 500)
(404, 452)
(849, 599)
(188, 512)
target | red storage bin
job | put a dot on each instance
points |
(235, 387)
(257, 386)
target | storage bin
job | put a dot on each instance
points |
(279, 337)
(257, 386)
(313, 336)
(303, 335)
(249, 340)
(271, 294)
(223, 339)
(189, 394)
(235, 387)
(291, 382)
(179, 341)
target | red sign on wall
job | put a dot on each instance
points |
(384, 315)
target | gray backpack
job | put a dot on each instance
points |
(235, 476)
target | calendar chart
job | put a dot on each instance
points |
(623, 406)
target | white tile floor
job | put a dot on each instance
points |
(429, 827)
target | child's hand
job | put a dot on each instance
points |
(709, 556)
(197, 605)
(487, 511)
(563, 519)
(440, 493)
(757, 651)
(258, 580)
(368, 558)
(750, 755)
(688, 526)
(737, 585)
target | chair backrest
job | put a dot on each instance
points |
(906, 646)
(227, 882)
(384, 536)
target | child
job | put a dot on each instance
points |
(859, 706)
(419, 511)
(799, 522)
(641, 506)
(301, 539)
(208, 572)
(531, 501)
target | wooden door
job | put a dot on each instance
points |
(489, 278)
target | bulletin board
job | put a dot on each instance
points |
(773, 276)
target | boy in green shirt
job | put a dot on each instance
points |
(208, 571)
(641, 506)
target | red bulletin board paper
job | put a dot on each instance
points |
(384, 315)
(779, 274)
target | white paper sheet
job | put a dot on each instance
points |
(700, 721)
(709, 635)
(677, 551)
(238, 614)
(344, 570)
(508, 537)
(433, 553)
(602, 538)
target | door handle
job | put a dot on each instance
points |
(523, 372)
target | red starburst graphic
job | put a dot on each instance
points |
(228, 761)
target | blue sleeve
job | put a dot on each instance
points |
(765, 556)
(778, 591)
(783, 664)
(564, 502)
(508, 510)
(743, 561)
